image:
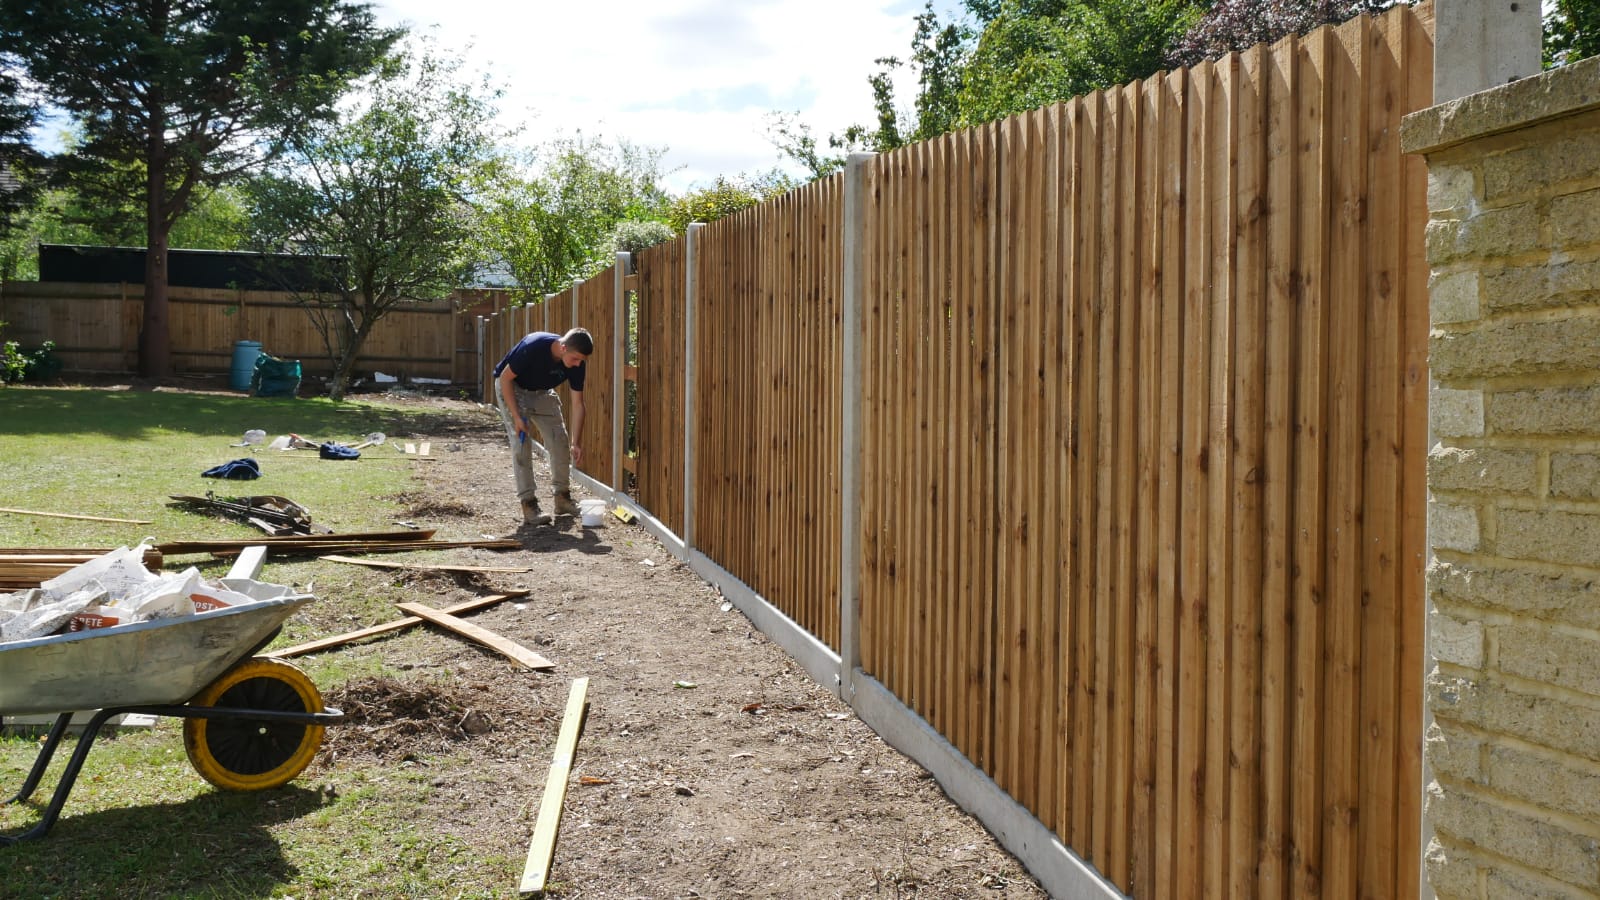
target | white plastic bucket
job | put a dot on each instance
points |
(592, 511)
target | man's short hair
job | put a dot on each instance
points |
(579, 339)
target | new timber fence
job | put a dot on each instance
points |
(1093, 440)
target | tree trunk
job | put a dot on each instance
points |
(345, 365)
(155, 336)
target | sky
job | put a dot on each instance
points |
(696, 78)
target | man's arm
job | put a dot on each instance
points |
(576, 431)
(505, 384)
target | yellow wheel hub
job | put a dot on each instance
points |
(240, 754)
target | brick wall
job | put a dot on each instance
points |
(1513, 691)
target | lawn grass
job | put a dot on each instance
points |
(140, 821)
(120, 454)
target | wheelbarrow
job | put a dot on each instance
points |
(250, 723)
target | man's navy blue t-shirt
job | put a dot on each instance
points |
(536, 367)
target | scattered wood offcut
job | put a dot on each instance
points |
(25, 567)
(396, 625)
(543, 846)
(482, 635)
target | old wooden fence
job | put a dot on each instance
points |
(95, 328)
(1136, 410)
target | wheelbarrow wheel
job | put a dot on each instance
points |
(238, 754)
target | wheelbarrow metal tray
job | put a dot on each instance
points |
(163, 661)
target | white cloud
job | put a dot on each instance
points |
(697, 77)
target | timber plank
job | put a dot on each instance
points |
(1309, 454)
(384, 564)
(1244, 479)
(57, 515)
(1347, 203)
(541, 849)
(484, 636)
(396, 625)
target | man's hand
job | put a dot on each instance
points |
(577, 454)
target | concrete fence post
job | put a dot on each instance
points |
(854, 239)
(1479, 44)
(483, 368)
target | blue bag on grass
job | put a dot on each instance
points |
(238, 470)
(331, 450)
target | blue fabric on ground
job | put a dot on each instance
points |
(331, 450)
(237, 470)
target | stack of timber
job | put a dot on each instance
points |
(26, 567)
(318, 544)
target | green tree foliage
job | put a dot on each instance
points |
(1026, 54)
(724, 197)
(21, 167)
(937, 49)
(219, 219)
(1571, 31)
(1036, 52)
(554, 226)
(794, 140)
(195, 92)
(385, 198)
(634, 235)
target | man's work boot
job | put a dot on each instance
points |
(564, 504)
(531, 513)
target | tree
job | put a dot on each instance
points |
(218, 220)
(936, 56)
(382, 202)
(1240, 24)
(1036, 52)
(1571, 31)
(1028, 54)
(724, 197)
(554, 226)
(193, 92)
(21, 167)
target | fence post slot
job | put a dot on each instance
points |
(691, 242)
(849, 380)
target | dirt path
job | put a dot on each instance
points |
(710, 765)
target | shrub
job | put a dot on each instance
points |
(17, 364)
(632, 236)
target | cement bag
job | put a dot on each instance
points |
(118, 572)
(163, 597)
(42, 613)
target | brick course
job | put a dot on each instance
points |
(1514, 524)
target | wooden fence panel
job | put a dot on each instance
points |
(1205, 388)
(95, 329)
(558, 313)
(767, 464)
(596, 301)
(660, 421)
(87, 323)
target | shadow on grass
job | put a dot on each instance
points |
(216, 844)
(125, 415)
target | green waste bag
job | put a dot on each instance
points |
(275, 377)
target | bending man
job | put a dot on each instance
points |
(525, 383)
